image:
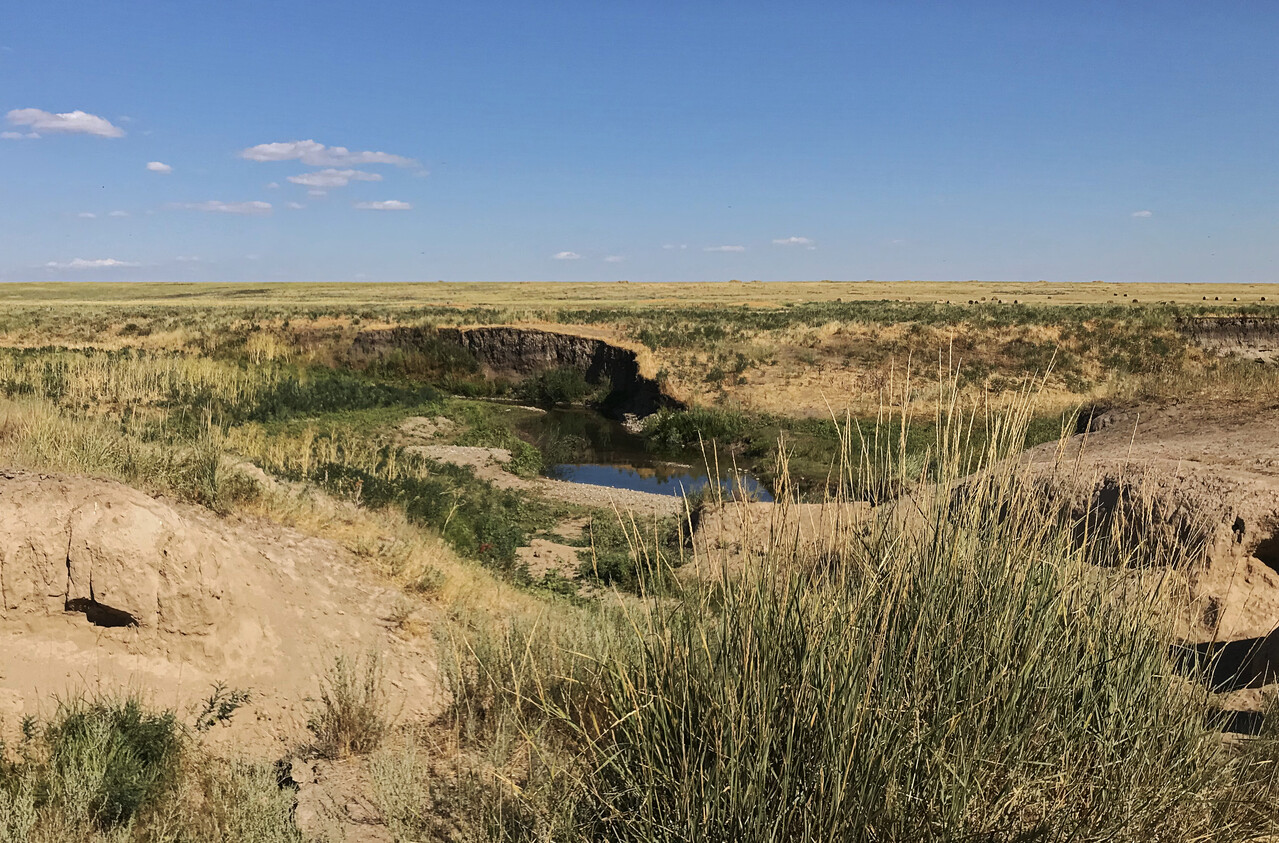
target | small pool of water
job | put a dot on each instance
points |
(659, 480)
(583, 446)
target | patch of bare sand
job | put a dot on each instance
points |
(105, 588)
(543, 556)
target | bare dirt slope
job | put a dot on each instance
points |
(104, 587)
(1204, 478)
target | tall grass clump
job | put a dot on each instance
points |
(947, 666)
(351, 717)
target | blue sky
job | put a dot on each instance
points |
(681, 141)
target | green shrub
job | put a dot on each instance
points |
(632, 558)
(556, 387)
(110, 759)
(351, 715)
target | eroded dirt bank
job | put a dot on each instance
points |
(514, 351)
(524, 351)
(1250, 337)
(105, 587)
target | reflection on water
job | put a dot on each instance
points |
(668, 480)
(582, 446)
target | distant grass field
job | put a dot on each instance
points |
(616, 294)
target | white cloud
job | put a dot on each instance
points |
(386, 205)
(334, 178)
(1143, 214)
(81, 263)
(614, 259)
(187, 259)
(724, 249)
(315, 154)
(793, 241)
(673, 246)
(19, 135)
(87, 215)
(296, 206)
(159, 167)
(118, 214)
(317, 192)
(256, 208)
(274, 185)
(566, 256)
(69, 123)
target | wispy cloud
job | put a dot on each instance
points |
(255, 208)
(614, 259)
(188, 259)
(296, 206)
(724, 249)
(159, 167)
(334, 178)
(793, 241)
(66, 123)
(118, 214)
(87, 215)
(1143, 214)
(96, 263)
(566, 256)
(385, 205)
(669, 246)
(315, 154)
(19, 135)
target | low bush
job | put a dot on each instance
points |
(112, 769)
(350, 717)
(559, 387)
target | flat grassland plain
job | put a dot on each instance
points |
(619, 294)
(298, 549)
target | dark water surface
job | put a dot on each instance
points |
(583, 446)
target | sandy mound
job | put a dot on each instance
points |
(1202, 481)
(104, 587)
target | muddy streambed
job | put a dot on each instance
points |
(583, 446)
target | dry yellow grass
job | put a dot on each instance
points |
(753, 293)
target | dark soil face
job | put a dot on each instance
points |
(1267, 551)
(522, 352)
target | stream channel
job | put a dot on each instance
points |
(583, 446)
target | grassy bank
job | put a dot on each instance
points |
(958, 671)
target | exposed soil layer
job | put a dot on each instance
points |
(1250, 337)
(104, 587)
(1198, 486)
(524, 351)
